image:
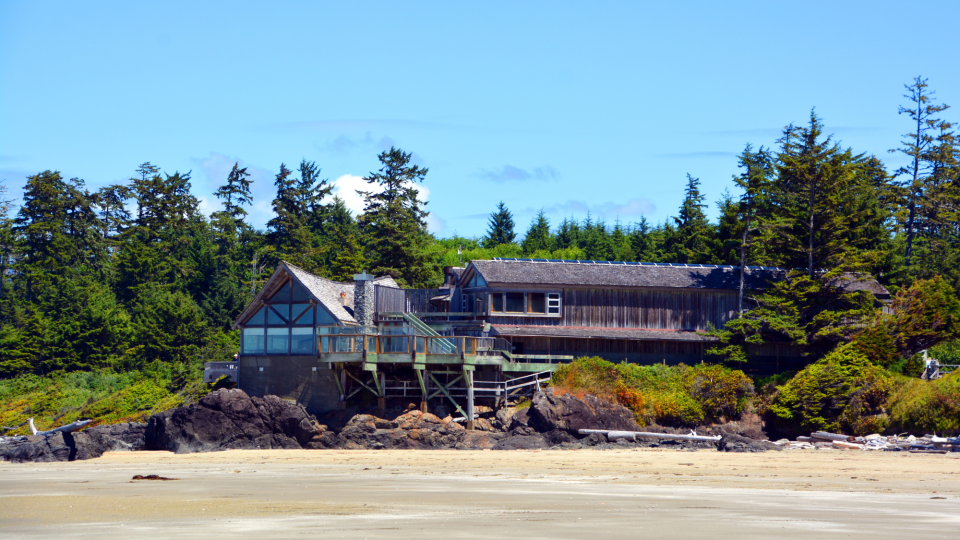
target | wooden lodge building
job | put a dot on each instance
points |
(493, 328)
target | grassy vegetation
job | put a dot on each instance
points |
(844, 392)
(666, 395)
(104, 396)
(918, 406)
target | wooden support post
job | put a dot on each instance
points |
(444, 390)
(469, 380)
(341, 379)
(382, 400)
(423, 390)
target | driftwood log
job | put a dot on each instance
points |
(69, 428)
(612, 434)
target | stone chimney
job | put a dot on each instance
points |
(363, 298)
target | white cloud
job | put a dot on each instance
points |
(205, 207)
(347, 185)
(435, 223)
(346, 188)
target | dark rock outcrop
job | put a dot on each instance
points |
(567, 412)
(522, 442)
(87, 444)
(230, 419)
(731, 442)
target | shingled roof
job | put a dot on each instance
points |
(602, 274)
(613, 274)
(324, 291)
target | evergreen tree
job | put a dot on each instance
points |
(641, 241)
(820, 224)
(621, 245)
(500, 228)
(394, 221)
(597, 244)
(919, 145)
(538, 235)
(287, 212)
(754, 181)
(167, 327)
(694, 241)
(568, 234)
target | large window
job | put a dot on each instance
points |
(301, 340)
(253, 341)
(533, 303)
(514, 302)
(496, 302)
(278, 340)
(287, 324)
(537, 303)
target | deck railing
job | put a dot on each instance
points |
(405, 344)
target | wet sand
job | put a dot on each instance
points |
(483, 494)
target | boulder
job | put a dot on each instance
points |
(411, 430)
(550, 412)
(731, 442)
(230, 419)
(522, 442)
(479, 440)
(87, 444)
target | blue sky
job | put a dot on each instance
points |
(570, 107)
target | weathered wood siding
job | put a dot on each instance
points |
(654, 309)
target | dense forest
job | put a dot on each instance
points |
(132, 277)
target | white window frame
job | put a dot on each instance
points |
(554, 301)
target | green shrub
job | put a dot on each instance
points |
(668, 395)
(921, 407)
(842, 392)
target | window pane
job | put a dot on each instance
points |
(278, 340)
(284, 313)
(553, 303)
(299, 293)
(297, 309)
(324, 316)
(514, 302)
(253, 341)
(496, 301)
(283, 295)
(538, 303)
(258, 317)
(301, 341)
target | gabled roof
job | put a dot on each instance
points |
(603, 274)
(324, 291)
(618, 274)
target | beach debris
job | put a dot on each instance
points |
(633, 435)
(152, 477)
(822, 440)
(69, 428)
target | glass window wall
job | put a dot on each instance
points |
(278, 340)
(301, 340)
(253, 342)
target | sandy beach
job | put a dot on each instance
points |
(484, 494)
